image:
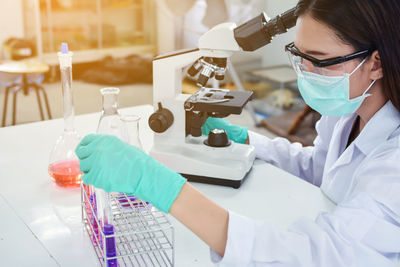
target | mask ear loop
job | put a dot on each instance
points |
(369, 87)
(365, 92)
(359, 66)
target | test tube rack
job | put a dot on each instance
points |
(142, 235)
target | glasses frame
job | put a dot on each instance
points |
(326, 62)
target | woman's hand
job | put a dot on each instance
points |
(236, 133)
(115, 166)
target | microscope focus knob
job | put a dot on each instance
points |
(217, 138)
(161, 120)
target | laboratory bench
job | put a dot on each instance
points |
(41, 223)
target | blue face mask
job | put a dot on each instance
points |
(329, 95)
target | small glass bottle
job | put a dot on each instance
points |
(64, 164)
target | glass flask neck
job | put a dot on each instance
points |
(110, 101)
(68, 105)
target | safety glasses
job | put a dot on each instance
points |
(328, 67)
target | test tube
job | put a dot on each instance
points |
(126, 200)
(93, 222)
(103, 201)
(110, 248)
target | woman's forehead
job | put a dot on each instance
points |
(318, 39)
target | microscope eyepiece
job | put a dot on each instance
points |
(260, 30)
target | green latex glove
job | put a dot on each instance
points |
(236, 133)
(115, 166)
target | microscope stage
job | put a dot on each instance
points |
(219, 101)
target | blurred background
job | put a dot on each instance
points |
(114, 41)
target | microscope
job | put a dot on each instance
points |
(178, 118)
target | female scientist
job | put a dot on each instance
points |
(347, 57)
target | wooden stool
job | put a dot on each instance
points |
(24, 68)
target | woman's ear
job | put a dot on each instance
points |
(376, 71)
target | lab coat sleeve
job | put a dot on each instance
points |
(362, 231)
(305, 162)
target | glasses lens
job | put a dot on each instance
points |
(302, 65)
(295, 61)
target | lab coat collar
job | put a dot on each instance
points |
(378, 128)
(338, 152)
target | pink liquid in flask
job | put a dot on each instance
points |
(66, 173)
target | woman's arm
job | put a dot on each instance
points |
(304, 162)
(202, 216)
(362, 231)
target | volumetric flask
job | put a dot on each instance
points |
(64, 164)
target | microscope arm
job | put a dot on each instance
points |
(223, 40)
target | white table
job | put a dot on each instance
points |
(41, 223)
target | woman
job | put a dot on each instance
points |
(346, 54)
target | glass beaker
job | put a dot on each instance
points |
(131, 130)
(130, 135)
(64, 164)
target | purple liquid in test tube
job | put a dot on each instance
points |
(93, 222)
(124, 200)
(111, 250)
(128, 202)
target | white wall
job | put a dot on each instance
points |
(165, 28)
(11, 19)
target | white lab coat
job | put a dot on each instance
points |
(363, 180)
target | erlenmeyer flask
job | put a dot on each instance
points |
(64, 164)
(110, 120)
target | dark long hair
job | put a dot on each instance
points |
(365, 24)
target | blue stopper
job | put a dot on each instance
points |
(64, 48)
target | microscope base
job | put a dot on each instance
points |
(227, 166)
(215, 181)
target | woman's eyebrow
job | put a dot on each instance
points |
(312, 52)
(315, 53)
